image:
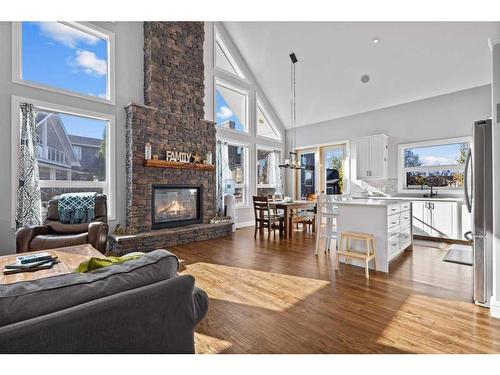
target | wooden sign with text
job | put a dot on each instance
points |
(183, 157)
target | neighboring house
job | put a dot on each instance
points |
(86, 150)
(62, 156)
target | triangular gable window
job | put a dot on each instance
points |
(224, 60)
(265, 128)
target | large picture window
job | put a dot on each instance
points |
(75, 151)
(231, 108)
(70, 57)
(435, 163)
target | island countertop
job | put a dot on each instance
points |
(368, 202)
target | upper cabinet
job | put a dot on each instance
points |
(371, 157)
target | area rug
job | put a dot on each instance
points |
(461, 254)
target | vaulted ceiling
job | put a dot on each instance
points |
(411, 61)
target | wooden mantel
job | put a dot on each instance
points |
(178, 165)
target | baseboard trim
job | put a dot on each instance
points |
(244, 224)
(494, 308)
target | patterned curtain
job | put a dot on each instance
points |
(219, 178)
(29, 205)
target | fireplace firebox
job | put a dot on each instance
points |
(175, 205)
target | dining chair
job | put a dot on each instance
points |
(265, 218)
(326, 209)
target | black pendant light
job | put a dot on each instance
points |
(293, 161)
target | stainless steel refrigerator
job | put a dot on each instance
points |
(478, 190)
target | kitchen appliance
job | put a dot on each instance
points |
(478, 191)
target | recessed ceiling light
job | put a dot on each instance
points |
(376, 40)
(365, 78)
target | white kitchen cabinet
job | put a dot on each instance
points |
(372, 157)
(435, 219)
(443, 219)
(419, 219)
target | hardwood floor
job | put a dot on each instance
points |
(276, 296)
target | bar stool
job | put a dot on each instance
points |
(346, 252)
(326, 209)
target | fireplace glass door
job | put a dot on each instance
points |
(175, 206)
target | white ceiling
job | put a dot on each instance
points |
(412, 61)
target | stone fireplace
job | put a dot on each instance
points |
(159, 210)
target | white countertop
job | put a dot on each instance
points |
(410, 198)
(367, 202)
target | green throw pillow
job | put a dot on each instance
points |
(95, 263)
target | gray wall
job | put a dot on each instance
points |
(129, 87)
(444, 116)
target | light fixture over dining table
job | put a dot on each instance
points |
(293, 161)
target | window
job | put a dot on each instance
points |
(268, 172)
(74, 150)
(237, 158)
(333, 169)
(307, 175)
(230, 108)
(223, 58)
(65, 56)
(265, 128)
(78, 151)
(436, 163)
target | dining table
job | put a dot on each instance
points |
(288, 208)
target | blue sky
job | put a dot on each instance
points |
(224, 113)
(83, 126)
(63, 57)
(438, 155)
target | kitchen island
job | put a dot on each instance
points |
(388, 221)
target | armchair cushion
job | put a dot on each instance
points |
(61, 228)
(52, 241)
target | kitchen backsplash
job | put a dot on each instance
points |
(385, 187)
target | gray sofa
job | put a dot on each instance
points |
(140, 306)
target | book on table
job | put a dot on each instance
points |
(32, 258)
(26, 266)
(45, 266)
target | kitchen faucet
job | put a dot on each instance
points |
(433, 192)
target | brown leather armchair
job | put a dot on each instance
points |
(53, 233)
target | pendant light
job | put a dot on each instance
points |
(292, 162)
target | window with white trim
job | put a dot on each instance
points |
(265, 127)
(231, 107)
(223, 58)
(75, 150)
(268, 171)
(237, 159)
(68, 57)
(435, 163)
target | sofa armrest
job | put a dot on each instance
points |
(200, 304)
(26, 234)
(98, 235)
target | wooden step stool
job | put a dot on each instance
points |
(349, 253)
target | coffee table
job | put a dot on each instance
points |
(69, 259)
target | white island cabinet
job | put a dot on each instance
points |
(388, 221)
